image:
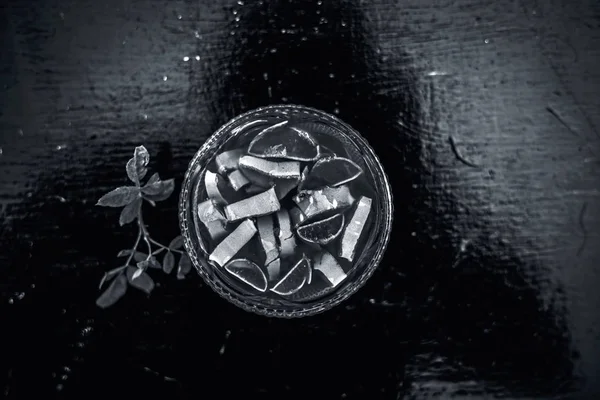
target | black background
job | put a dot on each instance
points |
(490, 283)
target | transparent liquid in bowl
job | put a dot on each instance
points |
(306, 283)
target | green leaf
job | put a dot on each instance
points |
(153, 179)
(159, 191)
(142, 282)
(153, 263)
(168, 262)
(143, 264)
(110, 275)
(113, 293)
(131, 171)
(153, 188)
(140, 257)
(130, 211)
(124, 253)
(119, 197)
(176, 243)
(136, 274)
(137, 166)
(185, 266)
(159, 187)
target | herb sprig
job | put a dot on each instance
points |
(134, 271)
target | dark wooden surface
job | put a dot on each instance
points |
(489, 286)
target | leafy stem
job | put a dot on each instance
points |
(163, 247)
(149, 240)
(131, 199)
(135, 245)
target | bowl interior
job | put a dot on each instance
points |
(339, 138)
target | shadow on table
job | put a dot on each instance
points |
(426, 321)
(435, 313)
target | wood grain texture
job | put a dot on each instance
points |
(489, 286)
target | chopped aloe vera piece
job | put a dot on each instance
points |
(295, 279)
(212, 218)
(260, 182)
(273, 169)
(274, 269)
(248, 272)
(284, 186)
(257, 179)
(233, 243)
(328, 265)
(248, 125)
(211, 183)
(266, 231)
(287, 241)
(237, 180)
(304, 174)
(296, 216)
(325, 152)
(284, 141)
(355, 228)
(331, 171)
(308, 247)
(322, 231)
(228, 160)
(310, 273)
(253, 189)
(303, 177)
(260, 204)
(316, 202)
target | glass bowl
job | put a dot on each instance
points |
(286, 211)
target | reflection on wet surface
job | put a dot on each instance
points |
(473, 319)
(454, 310)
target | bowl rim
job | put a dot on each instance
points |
(336, 297)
